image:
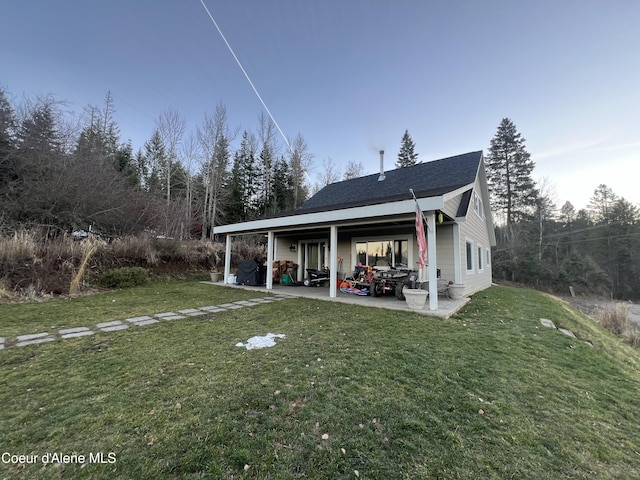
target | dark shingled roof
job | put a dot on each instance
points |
(428, 179)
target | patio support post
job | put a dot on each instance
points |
(457, 269)
(227, 259)
(269, 260)
(333, 262)
(433, 262)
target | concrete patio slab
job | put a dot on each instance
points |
(446, 307)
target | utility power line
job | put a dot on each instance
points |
(246, 75)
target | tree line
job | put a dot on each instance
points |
(542, 244)
(61, 172)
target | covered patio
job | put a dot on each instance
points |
(446, 306)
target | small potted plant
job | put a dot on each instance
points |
(215, 276)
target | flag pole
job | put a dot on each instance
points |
(422, 244)
(424, 219)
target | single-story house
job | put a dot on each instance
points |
(371, 220)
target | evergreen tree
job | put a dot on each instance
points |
(266, 162)
(407, 155)
(283, 186)
(509, 168)
(601, 203)
(7, 147)
(156, 157)
(242, 203)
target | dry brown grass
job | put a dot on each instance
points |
(32, 265)
(18, 247)
(89, 248)
(615, 318)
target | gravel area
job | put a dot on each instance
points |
(592, 305)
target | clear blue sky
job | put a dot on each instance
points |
(351, 76)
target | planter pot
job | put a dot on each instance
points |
(455, 291)
(215, 276)
(416, 298)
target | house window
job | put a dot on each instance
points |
(383, 253)
(480, 258)
(470, 268)
(488, 257)
(478, 206)
(401, 253)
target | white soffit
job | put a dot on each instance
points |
(334, 216)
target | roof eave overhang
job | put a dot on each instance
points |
(332, 217)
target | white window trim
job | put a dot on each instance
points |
(478, 205)
(488, 258)
(468, 241)
(382, 238)
(480, 258)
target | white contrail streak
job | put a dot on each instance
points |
(245, 74)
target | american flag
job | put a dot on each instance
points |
(422, 241)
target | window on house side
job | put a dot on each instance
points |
(469, 257)
(477, 205)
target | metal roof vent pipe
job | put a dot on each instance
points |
(381, 177)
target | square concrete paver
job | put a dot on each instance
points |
(568, 333)
(79, 333)
(547, 323)
(191, 312)
(112, 326)
(75, 332)
(230, 306)
(211, 308)
(34, 341)
(108, 324)
(142, 323)
(115, 328)
(143, 318)
(31, 336)
(169, 316)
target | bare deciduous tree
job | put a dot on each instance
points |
(214, 137)
(171, 126)
(353, 170)
(300, 161)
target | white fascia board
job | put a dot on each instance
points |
(450, 195)
(333, 216)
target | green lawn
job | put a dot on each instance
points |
(156, 297)
(489, 393)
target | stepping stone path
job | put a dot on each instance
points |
(549, 324)
(116, 325)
